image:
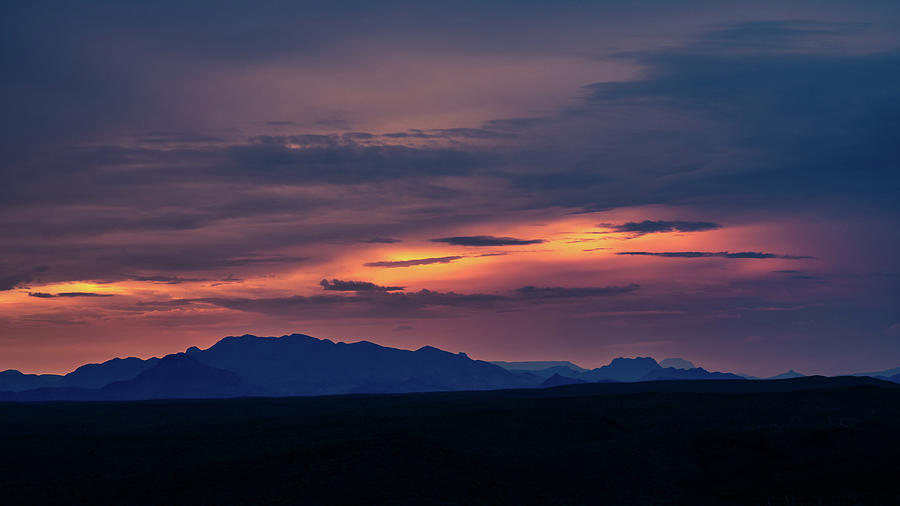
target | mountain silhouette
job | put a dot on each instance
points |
(697, 373)
(99, 375)
(180, 376)
(623, 369)
(15, 381)
(895, 378)
(86, 376)
(786, 375)
(300, 365)
(561, 370)
(537, 365)
(176, 376)
(677, 363)
(557, 381)
(880, 374)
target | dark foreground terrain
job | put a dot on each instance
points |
(787, 442)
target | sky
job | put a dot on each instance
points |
(718, 181)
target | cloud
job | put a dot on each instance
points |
(710, 254)
(10, 281)
(558, 292)
(356, 286)
(410, 263)
(368, 304)
(383, 240)
(367, 300)
(486, 240)
(651, 227)
(43, 295)
(169, 280)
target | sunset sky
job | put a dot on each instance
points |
(519, 181)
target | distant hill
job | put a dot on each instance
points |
(180, 376)
(697, 373)
(724, 386)
(99, 375)
(537, 365)
(556, 380)
(14, 381)
(895, 378)
(880, 374)
(86, 376)
(285, 366)
(677, 363)
(301, 365)
(623, 369)
(175, 376)
(787, 375)
(560, 370)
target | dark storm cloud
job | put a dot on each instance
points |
(797, 138)
(150, 187)
(330, 159)
(711, 254)
(169, 280)
(651, 227)
(411, 263)
(380, 304)
(797, 133)
(178, 138)
(558, 292)
(10, 281)
(486, 240)
(801, 276)
(383, 240)
(449, 133)
(356, 286)
(43, 295)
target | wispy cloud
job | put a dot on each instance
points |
(43, 295)
(558, 292)
(414, 262)
(712, 254)
(654, 227)
(339, 285)
(486, 240)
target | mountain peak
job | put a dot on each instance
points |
(677, 363)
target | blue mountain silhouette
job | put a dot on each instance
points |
(300, 365)
(786, 375)
(557, 381)
(15, 381)
(623, 369)
(537, 365)
(86, 376)
(289, 365)
(697, 373)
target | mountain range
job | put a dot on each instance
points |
(300, 365)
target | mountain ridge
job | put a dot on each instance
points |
(302, 365)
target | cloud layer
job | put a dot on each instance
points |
(259, 168)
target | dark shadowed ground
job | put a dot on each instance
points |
(728, 442)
